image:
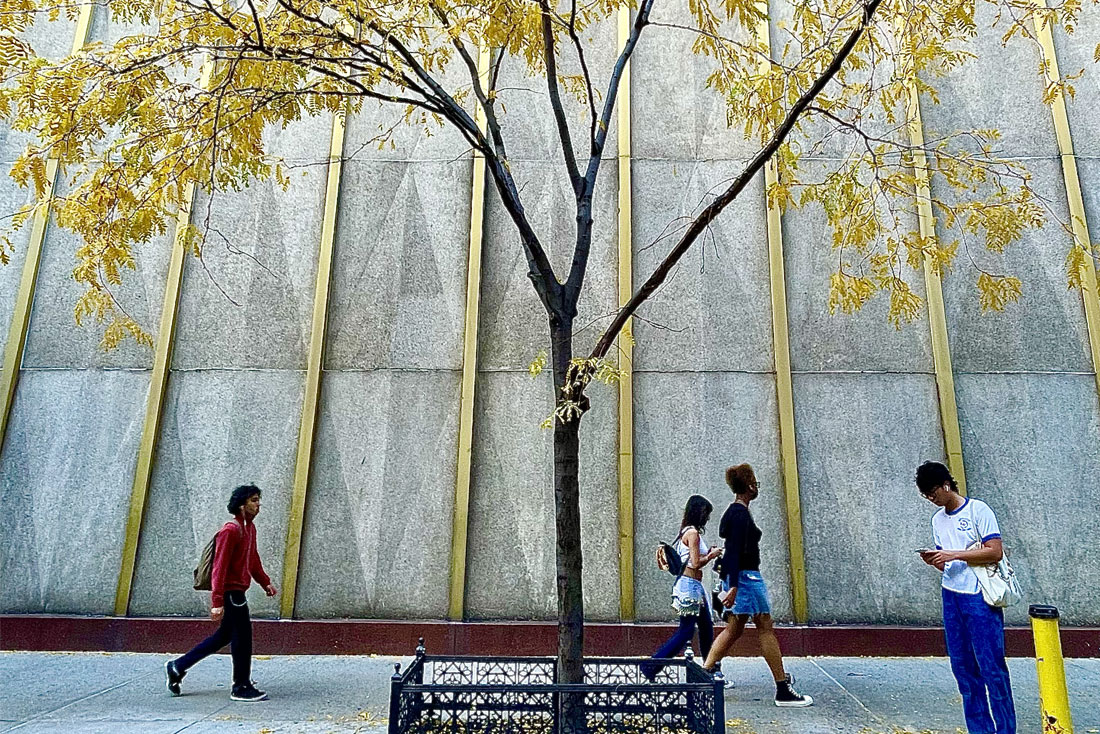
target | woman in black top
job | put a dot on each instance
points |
(746, 595)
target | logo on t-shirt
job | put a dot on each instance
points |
(964, 524)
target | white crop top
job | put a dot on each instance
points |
(685, 552)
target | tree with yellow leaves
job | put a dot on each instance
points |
(183, 101)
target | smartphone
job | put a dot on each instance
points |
(923, 550)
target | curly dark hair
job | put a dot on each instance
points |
(240, 495)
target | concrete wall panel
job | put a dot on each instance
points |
(55, 340)
(514, 325)
(673, 115)
(527, 118)
(860, 439)
(377, 121)
(1075, 55)
(860, 341)
(688, 428)
(714, 310)
(398, 293)
(220, 429)
(971, 99)
(378, 520)
(1032, 445)
(249, 301)
(65, 477)
(1046, 330)
(510, 572)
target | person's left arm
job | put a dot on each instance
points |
(256, 568)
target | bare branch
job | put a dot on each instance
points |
(715, 208)
(564, 136)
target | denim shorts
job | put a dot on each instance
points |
(752, 594)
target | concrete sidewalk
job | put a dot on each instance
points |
(58, 693)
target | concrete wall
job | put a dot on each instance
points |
(69, 451)
(377, 535)
(378, 521)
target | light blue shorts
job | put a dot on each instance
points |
(689, 598)
(752, 594)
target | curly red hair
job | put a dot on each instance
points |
(740, 478)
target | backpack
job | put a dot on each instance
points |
(668, 559)
(205, 570)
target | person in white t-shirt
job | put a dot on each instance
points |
(965, 531)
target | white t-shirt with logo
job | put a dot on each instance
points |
(959, 530)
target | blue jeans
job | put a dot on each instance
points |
(975, 635)
(679, 640)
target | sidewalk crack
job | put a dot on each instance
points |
(42, 714)
(877, 717)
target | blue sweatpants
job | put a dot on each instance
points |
(975, 635)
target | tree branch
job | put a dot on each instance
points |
(582, 248)
(564, 136)
(587, 76)
(640, 22)
(715, 207)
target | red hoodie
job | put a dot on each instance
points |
(236, 561)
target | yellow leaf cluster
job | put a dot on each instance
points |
(182, 101)
(997, 291)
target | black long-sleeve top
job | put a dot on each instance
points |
(742, 538)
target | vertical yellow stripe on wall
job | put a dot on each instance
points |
(625, 343)
(1075, 199)
(461, 515)
(158, 383)
(315, 363)
(21, 313)
(937, 317)
(784, 389)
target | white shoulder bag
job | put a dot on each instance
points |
(996, 580)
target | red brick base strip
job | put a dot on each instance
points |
(382, 637)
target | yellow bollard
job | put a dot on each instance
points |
(1053, 697)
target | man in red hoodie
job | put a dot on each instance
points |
(236, 564)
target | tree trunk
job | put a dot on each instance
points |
(567, 513)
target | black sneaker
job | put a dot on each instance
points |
(247, 692)
(787, 697)
(172, 677)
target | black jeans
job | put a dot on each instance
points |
(235, 631)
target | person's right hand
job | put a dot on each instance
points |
(731, 597)
(217, 613)
(929, 557)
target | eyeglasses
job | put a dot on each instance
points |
(928, 495)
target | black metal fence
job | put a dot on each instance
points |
(521, 695)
